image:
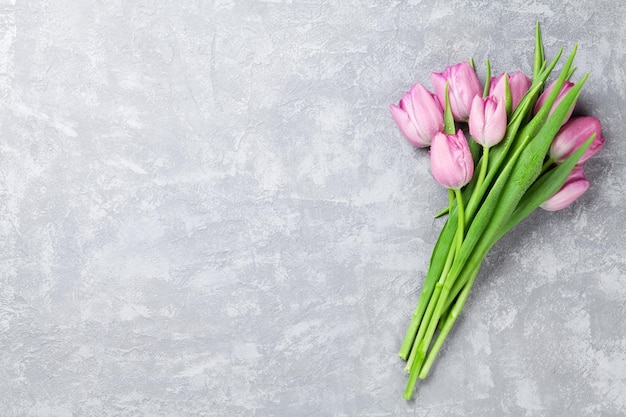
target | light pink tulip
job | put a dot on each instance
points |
(575, 185)
(418, 115)
(544, 96)
(573, 135)
(450, 160)
(518, 84)
(487, 121)
(463, 86)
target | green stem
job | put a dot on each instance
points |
(446, 282)
(433, 299)
(483, 168)
(441, 322)
(437, 301)
(487, 79)
(449, 304)
(460, 283)
(547, 165)
(442, 212)
(460, 231)
(429, 311)
(447, 326)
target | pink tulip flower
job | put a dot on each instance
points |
(518, 84)
(418, 115)
(544, 96)
(463, 86)
(575, 185)
(450, 160)
(573, 135)
(487, 121)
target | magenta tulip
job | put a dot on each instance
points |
(544, 96)
(463, 86)
(575, 185)
(573, 135)
(418, 115)
(518, 84)
(450, 160)
(487, 121)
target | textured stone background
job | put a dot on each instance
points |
(206, 210)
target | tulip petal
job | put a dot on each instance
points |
(487, 121)
(427, 114)
(595, 147)
(477, 119)
(575, 185)
(567, 85)
(439, 84)
(573, 134)
(405, 124)
(451, 160)
(566, 196)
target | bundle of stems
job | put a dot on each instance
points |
(511, 180)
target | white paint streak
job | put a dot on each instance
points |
(527, 395)
(65, 128)
(126, 164)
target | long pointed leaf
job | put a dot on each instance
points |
(545, 187)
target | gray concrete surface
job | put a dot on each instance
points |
(206, 210)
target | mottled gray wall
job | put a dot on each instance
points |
(206, 210)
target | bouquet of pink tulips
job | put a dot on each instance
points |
(523, 152)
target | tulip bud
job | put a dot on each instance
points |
(573, 135)
(463, 87)
(567, 85)
(487, 122)
(451, 160)
(418, 115)
(518, 84)
(575, 185)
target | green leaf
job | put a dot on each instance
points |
(448, 119)
(539, 120)
(487, 79)
(545, 187)
(539, 53)
(508, 98)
